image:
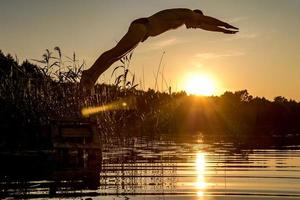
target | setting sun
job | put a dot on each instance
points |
(200, 85)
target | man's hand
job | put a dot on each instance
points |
(230, 26)
(229, 31)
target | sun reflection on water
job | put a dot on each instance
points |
(200, 183)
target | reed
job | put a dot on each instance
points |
(34, 95)
(125, 75)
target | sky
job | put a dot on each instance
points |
(264, 57)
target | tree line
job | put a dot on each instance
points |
(31, 96)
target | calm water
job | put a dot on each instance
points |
(198, 170)
(165, 169)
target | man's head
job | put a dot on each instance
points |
(194, 19)
(198, 11)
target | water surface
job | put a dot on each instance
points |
(197, 170)
(143, 168)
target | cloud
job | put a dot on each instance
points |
(196, 64)
(248, 36)
(159, 45)
(215, 55)
(243, 33)
(242, 36)
(165, 43)
(237, 19)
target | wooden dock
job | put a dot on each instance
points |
(74, 155)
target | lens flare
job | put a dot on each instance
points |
(122, 104)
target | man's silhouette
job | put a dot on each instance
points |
(140, 29)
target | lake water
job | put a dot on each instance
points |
(196, 170)
(140, 168)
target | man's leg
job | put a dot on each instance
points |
(135, 34)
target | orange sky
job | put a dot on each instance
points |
(263, 57)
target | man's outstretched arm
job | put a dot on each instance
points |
(216, 29)
(216, 22)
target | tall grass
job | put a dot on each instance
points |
(32, 96)
(123, 77)
(35, 95)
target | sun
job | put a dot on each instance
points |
(200, 84)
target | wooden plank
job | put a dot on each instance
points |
(75, 132)
(76, 146)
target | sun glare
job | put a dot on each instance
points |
(200, 85)
(200, 183)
